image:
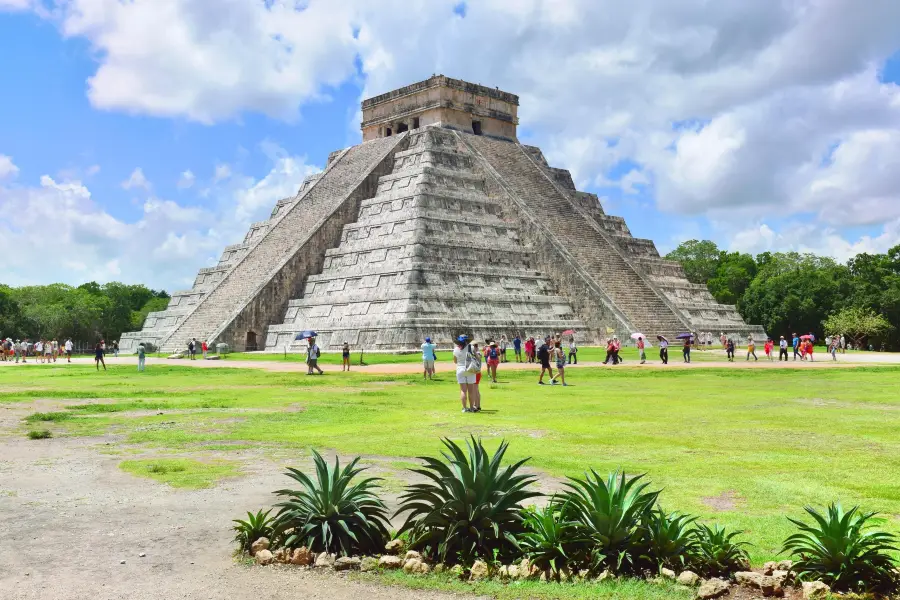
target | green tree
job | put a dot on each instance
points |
(862, 325)
(699, 259)
(794, 292)
(732, 277)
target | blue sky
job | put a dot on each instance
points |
(786, 138)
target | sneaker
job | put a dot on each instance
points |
(553, 382)
(565, 385)
(465, 410)
(541, 383)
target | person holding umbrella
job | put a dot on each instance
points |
(663, 349)
(312, 357)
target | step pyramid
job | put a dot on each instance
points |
(439, 223)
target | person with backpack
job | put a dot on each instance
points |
(493, 359)
(560, 356)
(345, 357)
(312, 357)
(141, 353)
(729, 350)
(468, 365)
(543, 355)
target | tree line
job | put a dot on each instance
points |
(85, 313)
(789, 292)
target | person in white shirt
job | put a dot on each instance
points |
(663, 349)
(782, 349)
(69, 350)
(312, 357)
(466, 380)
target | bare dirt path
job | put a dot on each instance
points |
(702, 360)
(69, 516)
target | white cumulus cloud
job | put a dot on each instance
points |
(136, 180)
(8, 169)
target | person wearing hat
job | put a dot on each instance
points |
(428, 358)
(493, 359)
(468, 364)
(782, 349)
(543, 355)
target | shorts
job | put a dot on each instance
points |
(312, 363)
(545, 364)
(463, 377)
(493, 362)
(428, 363)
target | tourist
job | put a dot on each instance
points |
(312, 357)
(493, 355)
(345, 356)
(782, 349)
(529, 349)
(475, 398)
(723, 339)
(663, 349)
(142, 354)
(833, 347)
(48, 351)
(796, 343)
(617, 348)
(767, 348)
(39, 350)
(21, 350)
(428, 359)
(503, 346)
(809, 349)
(543, 355)
(69, 347)
(115, 349)
(573, 351)
(843, 344)
(640, 346)
(517, 348)
(560, 355)
(751, 348)
(729, 349)
(55, 345)
(609, 351)
(686, 349)
(98, 355)
(191, 348)
(465, 372)
(204, 347)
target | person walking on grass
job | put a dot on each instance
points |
(48, 351)
(796, 343)
(312, 357)
(142, 356)
(191, 349)
(686, 350)
(640, 346)
(834, 347)
(517, 348)
(809, 349)
(476, 399)
(493, 355)
(782, 349)
(729, 349)
(543, 355)
(560, 355)
(428, 359)
(504, 344)
(663, 349)
(98, 355)
(204, 347)
(573, 351)
(345, 357)
(767, 348)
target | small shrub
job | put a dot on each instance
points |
(550, 540)
(332, 513)
(470, 508)
(48, 417)
(256, 526)
(718, 553)
(609, 514)
(43, 434)
(669, 539)
(840, 549)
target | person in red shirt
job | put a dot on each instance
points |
(640, 345)
(809, 349)
(768, 348)
(204, 347)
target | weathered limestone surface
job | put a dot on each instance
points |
(437, 231)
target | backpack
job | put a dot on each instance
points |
(473, 362)
(493, 353)
(544, 352)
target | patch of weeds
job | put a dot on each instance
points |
(54, 417)
(181, 472)
(42, 434)
(8, 493)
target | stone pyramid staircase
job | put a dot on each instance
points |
(431, 254)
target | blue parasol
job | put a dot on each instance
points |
(684, 336)
(308, 333)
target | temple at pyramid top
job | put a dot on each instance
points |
(439, 223)
(444, 102)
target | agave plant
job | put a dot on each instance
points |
(610, 513)
(669, 540)
(841, 550)
(256, 526)
(332, 513)
(470, 508)
(550, 540)
(717, 552)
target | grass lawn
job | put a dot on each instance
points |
(743, 447)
